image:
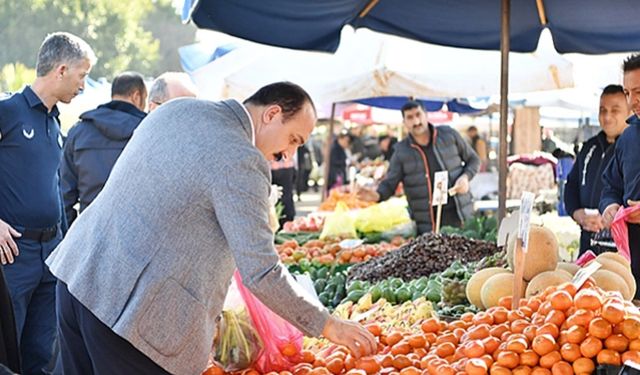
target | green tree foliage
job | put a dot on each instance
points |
(14, 76)
(114, 28)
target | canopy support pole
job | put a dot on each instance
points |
(327, 152)
(504, 109)
(368, 8)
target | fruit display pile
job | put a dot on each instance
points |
(422, 256)
(329, 252)
(336, 196)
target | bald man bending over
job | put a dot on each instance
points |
(169, 86)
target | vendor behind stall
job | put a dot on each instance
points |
(415, 160)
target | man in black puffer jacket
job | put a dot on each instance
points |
(415, 160)
(94, 144)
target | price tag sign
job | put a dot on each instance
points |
(584, 273)
(526, 205)
(440, 188)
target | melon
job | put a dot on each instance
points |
(474, 286)
(572, 268)
(496, 287)
(615, 257)
(542, 253)
(620, 270)
(546, 279)
(609, 281)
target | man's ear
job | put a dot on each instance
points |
(61, 70)
(270, 112)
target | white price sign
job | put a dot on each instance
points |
(440, 188)
(526, 206)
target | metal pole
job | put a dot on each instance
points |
(504, 109)
(327, 152)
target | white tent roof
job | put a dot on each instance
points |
(369, 64)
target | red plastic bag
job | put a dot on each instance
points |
(282, 342)
(620, 231)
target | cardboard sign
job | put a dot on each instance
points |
(526, 206)
(440, 188)
(584, 273)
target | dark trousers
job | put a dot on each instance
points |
(286, 178)
(634, 249)
(32, 289)
(9, 349)
(88, 346)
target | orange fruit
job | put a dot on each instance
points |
(608, 357)
(447, 337)
(631, 355)
(474, 349)
(499, 330)
(505, 302)
(634, 345)
(393, 338)
(500, 315)
(318, 371)
(613, 312)
(335, 366)
(417, 341)
(543, 344)
(491, 344)
(445, 370)
(476, 366)
(570, 352)
(590, 347)
(514, 315)
(540, 371)
(545, 308)
(482, 318)
(214, 370)
(581, 317)
(576, 334)
(561, 368)
(518, 345)
(350, 362)
(375, 329)
(307, 356)
(550, 329)
(402, 347)
(600, 328)
(556, 317)
(410, 371)
(617, 342)
(488, 360)
(561, 300)
(522, 370)
(368, 364)
(587, 299)
(401, 361)
(529, 358)
(479, 332)
(534, 304)
(508, 359)
(499, 370)
(289, 350)
(583, 366)
(631, 328)
(430, 325)
(569, 288)
(445, 349)
(519, 325)
(548, 360)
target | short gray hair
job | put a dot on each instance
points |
(159, 91)
(60, 48)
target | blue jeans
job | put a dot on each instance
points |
(32, 289)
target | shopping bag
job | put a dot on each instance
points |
(282, 342)
(339, 224)
(383, 216)
(620, 231)
(237, 344)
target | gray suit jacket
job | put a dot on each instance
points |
(185, 204)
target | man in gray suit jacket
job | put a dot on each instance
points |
(144, 271)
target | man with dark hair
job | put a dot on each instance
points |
(427, 150)
(584, 183)
(31, 213)
(387, 143)
(94, 144)
(338, 161)
(621, 178)
(170, 85)
(144, 271)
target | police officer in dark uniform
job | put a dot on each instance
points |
(31, 213)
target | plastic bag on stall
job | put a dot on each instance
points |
(282, 342)
(383, 216)
(339, 224)
(620, 231)
(406, 230)
(237, 345)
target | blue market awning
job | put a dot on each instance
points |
(584, 26)
(396, 102)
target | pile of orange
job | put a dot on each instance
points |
(561, 332)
